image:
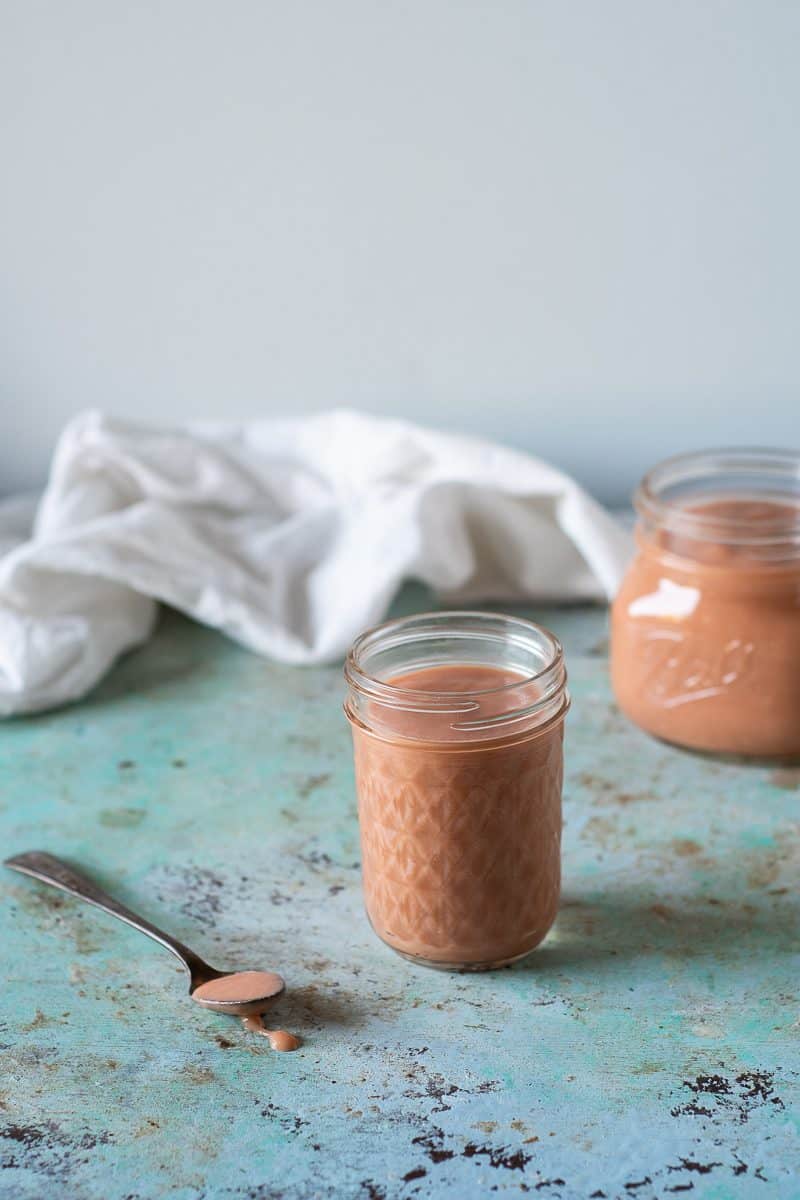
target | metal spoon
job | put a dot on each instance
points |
(52, 870)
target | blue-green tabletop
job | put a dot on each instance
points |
(648, 1049)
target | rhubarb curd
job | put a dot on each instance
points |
(457, 722)
(705, 630)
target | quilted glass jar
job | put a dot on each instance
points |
(705, 630)
(457, 722)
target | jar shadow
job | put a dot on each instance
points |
(624, 926)
(787, 762)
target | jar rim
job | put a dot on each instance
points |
(506, 736)
(773, 473)
(550, 679)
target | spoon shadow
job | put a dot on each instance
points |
(312, 1008)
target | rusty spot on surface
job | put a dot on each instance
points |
(196, 1074)
(588, 780)
(38, 1021)
(690, 1164)
(692, 1109)
(372, 1190)
(430, 1084)
(26, 1135)
(310, 783)
(748, 1091)
(764, 873)
(714, 1085)
(498, 1156)
(46, 1148)
(433, 1146)
(147, 1128)
(787, 778)
(121, 818)
(686, 847)
(648, 1068)
(196, 892)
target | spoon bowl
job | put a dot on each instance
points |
(240, 994)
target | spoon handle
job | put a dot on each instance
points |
(52, 870)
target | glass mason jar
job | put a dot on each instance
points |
(457, 722)
(705, 630)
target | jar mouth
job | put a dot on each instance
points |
(401, 646)
(740, 497)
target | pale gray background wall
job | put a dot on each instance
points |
(571, 225)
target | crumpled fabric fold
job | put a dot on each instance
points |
(290, 536)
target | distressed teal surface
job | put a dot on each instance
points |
(649, 1049)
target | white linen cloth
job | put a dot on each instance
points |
(291, 536)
